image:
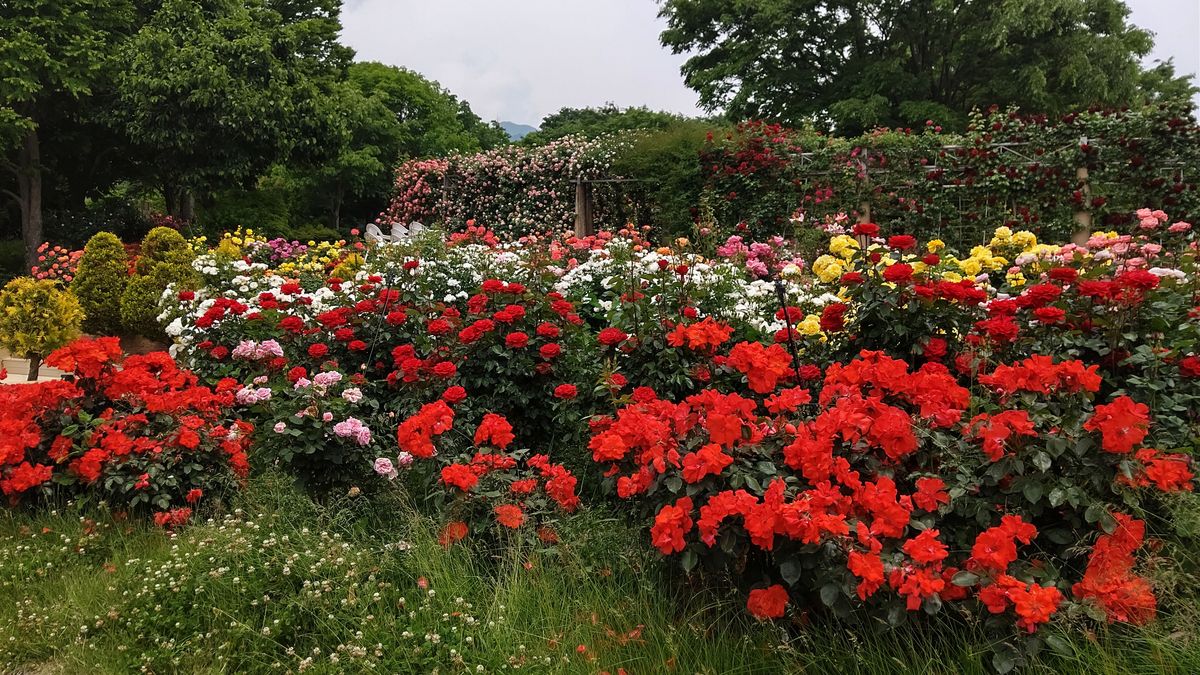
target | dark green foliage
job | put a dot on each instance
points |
(858, 65)
(99, 283)
(596, 122)
(666, 162)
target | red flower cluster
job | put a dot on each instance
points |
(146, 418)
(1109, 580)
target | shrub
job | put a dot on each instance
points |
(138, 433)
(482, 485)
(99, 283)
(875, 490)
(165, 259)
(162, 244)
(37, 317)
(667, 163)
(322, 435)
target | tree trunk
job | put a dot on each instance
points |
(187, 206)
(170, 199)
(337, 207)
(35, 367)
(29, 183)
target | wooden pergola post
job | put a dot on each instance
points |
(584, 224)
(1083, 216)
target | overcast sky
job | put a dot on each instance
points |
(519, 60)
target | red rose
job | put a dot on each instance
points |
(833, 317)
(612, 336)
(549, 351)
(516, 340)
(565, 391)
(454, 394)
(898, 273)
(866, 229)
(187, 295)
(1065, 275)
(902, 242)
(935, 349)
(318, 350)
(1049, 315)
(768, 603)
(1189, 366)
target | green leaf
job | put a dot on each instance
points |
(830, 594)
(1032, 491)
(1042, 461)
(790, 570)
(1004, 660)
(1060, 646)
(965, 578)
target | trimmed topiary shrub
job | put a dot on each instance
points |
(37, 317)
(160, 245)
(166, 258)
(99, 283)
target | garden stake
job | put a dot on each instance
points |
(787, 321)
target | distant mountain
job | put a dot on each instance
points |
(517, 131)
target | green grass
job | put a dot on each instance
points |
(278, 583)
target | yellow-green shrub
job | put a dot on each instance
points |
(162, 244)
(100, 280)
(37, 317)
(165, 259)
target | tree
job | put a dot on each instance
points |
(51, 51)
(215, 91)
(369, 145)
(856, 64)
(433, 121)
(593, 122)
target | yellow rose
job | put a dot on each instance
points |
(970, 266)
(811, 325)
(843, 246)
(827, 268)
(935, 245)
(953, 277)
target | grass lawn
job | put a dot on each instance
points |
(280, 584)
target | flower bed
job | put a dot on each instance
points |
(897, 428)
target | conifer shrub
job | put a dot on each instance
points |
(165, 259)
(99, 283)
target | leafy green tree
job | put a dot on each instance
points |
(856, 64)
(593, 122)
(368, 147)
(51, 53)
(432, 120)
(215, 91)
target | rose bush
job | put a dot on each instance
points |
(138, 432)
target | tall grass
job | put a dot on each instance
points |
(279, 584)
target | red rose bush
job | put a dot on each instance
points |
(137, 432)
